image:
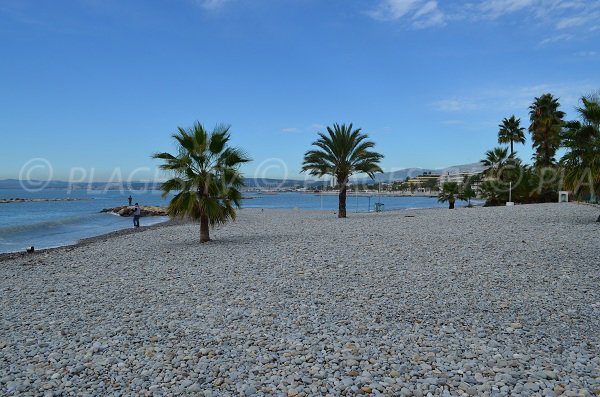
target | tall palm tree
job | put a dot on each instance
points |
(581, 163)
(340, 153)
(511, 131)
(207, 176)
(546, 124)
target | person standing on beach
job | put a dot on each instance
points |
(136, 215)
(130, 199)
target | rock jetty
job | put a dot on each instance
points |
(146, 210)
(36, 200)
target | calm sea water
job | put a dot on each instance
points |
(56, 223)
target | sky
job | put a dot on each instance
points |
(91, 88)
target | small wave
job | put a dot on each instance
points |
(47, 224)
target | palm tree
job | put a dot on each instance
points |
(546, 124)
(492, 193)
(526, 190)
(207, 176)
(503, 172)
(449, 193)
(467, 194)
(341, 153)
(581, 163)
(511, 131)
(495, 161)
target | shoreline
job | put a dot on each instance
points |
(173, 222)
(5, 256)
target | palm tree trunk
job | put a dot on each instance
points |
(342, 201)
(546, 156)
(511, 147)
(451, 204)
(204, 231)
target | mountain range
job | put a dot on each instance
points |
(250, 182)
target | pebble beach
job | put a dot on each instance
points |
(500, 301)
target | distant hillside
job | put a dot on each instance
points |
(266, 183)
(34, 184)
(252, 183)
(383, 177)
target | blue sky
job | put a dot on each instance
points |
(95, 86)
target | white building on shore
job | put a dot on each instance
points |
(458, 177)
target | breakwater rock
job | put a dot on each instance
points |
(146, 210)
(36, 200)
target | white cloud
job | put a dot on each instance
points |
(557, 38)
(516, 99)
(428, 15)
(454, 105)
(427, 8)
(453, 122)
(513, 99)
(587, 53)
(211, 4)
(314, 127)
(572, 22)
(568, 94)
(418, 13)
(562, 15)
(497, 8)
(390, 10)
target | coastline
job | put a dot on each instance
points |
(170, 222)
(5, 256)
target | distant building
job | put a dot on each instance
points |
(424, 183)
(458, 177)
(424, 179)
(429, 182)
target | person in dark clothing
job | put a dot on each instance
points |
(136, 215)
(130, 199)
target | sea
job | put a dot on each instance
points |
(47, 224)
